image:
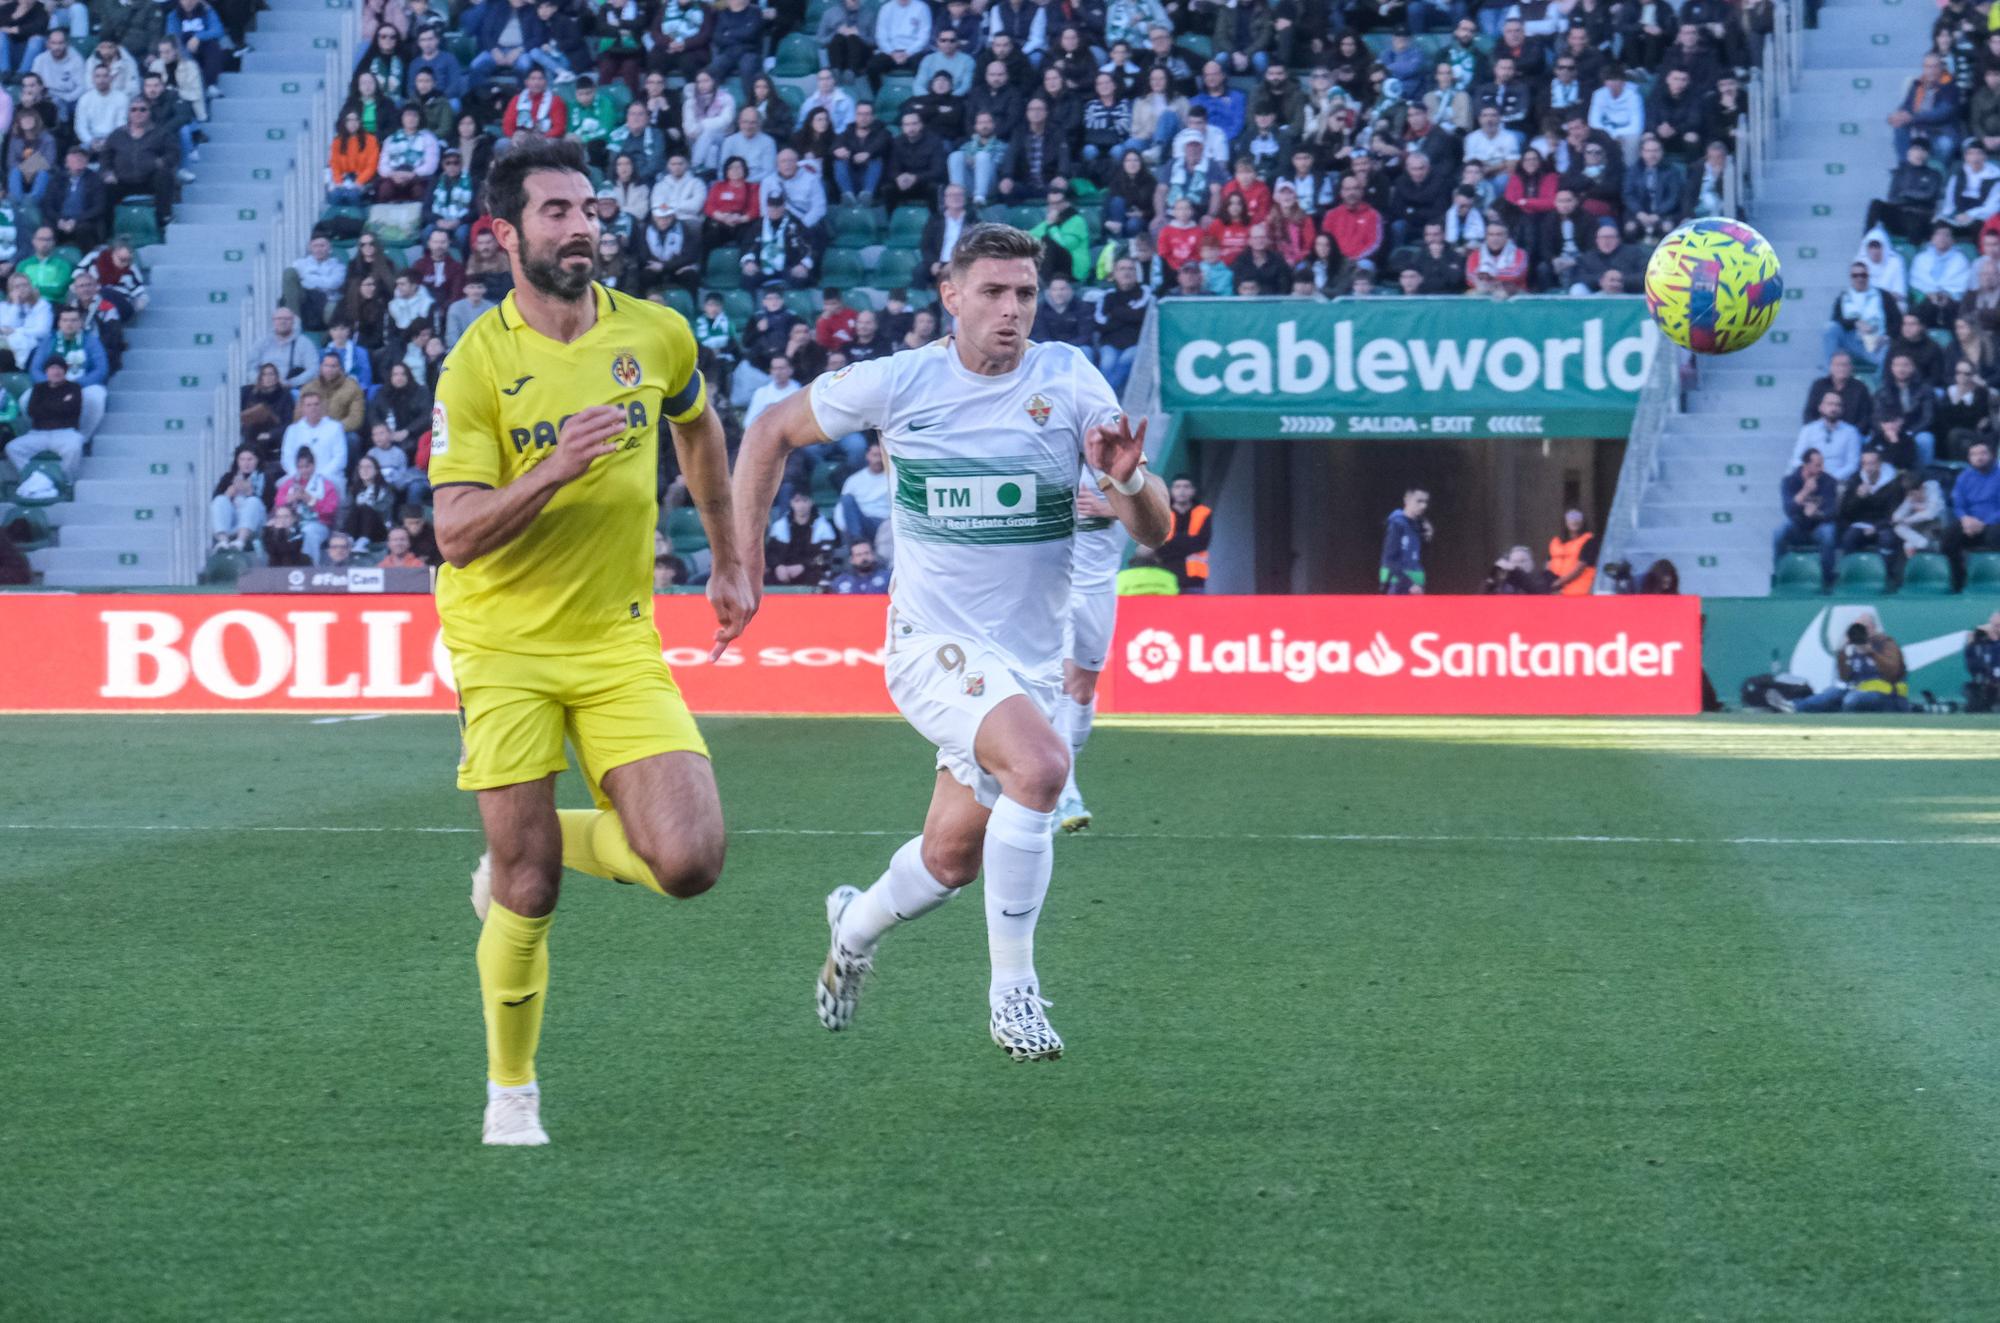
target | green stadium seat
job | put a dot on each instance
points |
(798, 57)
(225, 566)
(890, 98)
(906, 227)
(1797, 575)
(137, 222)
(855, 227)
(684, 529)
(1982, 572)
(1196, 44)
(1025, 215)
(680, 301)
(792, 95)
(1861, 574)
(16, 384)
(1927, 574)
(31, 529)
(50, 464)
(724, 269)
(896, 268)
(862, 300)
(465, 47)
(804, 304)
(841, 268)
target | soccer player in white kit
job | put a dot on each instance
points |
(1093, 614)
(986, 435)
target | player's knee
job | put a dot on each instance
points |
(685, 870)
(952, 864)
(1036, 779)
(525, 879)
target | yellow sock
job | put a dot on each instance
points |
(513, 963)
(593, 842)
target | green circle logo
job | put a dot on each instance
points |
(1009, 494)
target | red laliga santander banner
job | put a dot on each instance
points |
(363, 653)
(1549, 656)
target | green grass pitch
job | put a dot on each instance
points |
(1367, 1020)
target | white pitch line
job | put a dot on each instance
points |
(1308, 838)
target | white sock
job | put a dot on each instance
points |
(1018, 862)
(1081, 717)
(495, 1092)
(906, 890)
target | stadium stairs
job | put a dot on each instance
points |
(1714, 505)
(136, 495)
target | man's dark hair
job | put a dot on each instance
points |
(409, 512)
(304, 455)
(1812, 453)
(989, 240)
(507, 181)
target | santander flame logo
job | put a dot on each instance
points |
(1153, 655)
(1379, 659)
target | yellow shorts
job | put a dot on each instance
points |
(515, 709)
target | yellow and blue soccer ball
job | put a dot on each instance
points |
(1713, 286)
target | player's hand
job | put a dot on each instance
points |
(1116, 451)
(583, 439)
(734, 601)
(1090, 504)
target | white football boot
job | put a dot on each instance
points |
(1020, 1028)
(514, 1117)
(1071, 815)
(482, 891)
(838, 987)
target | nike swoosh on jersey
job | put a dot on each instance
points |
(515, 389)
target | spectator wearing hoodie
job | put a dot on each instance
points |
(1062, 317)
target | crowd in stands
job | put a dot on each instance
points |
(1894, 462)
(100, 110)
(792, 176)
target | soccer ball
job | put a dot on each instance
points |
(1713, 286)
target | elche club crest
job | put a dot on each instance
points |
(625, 369)
(1039, 409)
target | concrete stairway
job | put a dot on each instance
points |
(1714, 506)
(133, 497)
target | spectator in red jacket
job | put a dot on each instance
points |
(1497, 265)
(1256, 194)
(1355, 226)
(535, 109)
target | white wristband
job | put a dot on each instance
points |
(1132, 487)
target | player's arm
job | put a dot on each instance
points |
(475, 518)
(1118, 454)
(704, 457)
(760, 467)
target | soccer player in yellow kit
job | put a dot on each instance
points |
(544, 455)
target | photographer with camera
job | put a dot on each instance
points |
(1982, 667)
(1873, 676)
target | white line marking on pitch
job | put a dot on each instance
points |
(1325, 838)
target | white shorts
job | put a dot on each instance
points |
(945, 687)
(1093, 615)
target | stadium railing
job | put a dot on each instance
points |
(1662, 398)
(302, 192)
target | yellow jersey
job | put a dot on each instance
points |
(580, 578)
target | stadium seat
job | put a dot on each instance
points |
(225, 566)
(855, 227)
(1927, 574)
(137, 221)
(684, 530)
(896, 268)
(738, 303)
(804, 304)
(49, 464)
(31, 529)
(680, 301)
(890, 98)
(1798, 575)
(724, 269)
(792, 95)
(906, 227)
(862, 300)
(1982, 572)
(16, 384)
(1196, 44)
(1861, 574)
(842, 268)
(798, 57)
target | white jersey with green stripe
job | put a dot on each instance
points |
(983, 478)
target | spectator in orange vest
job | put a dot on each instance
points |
(1185, 551)
(1573, 557)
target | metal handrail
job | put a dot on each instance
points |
(285, 238)
(1661, 399)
